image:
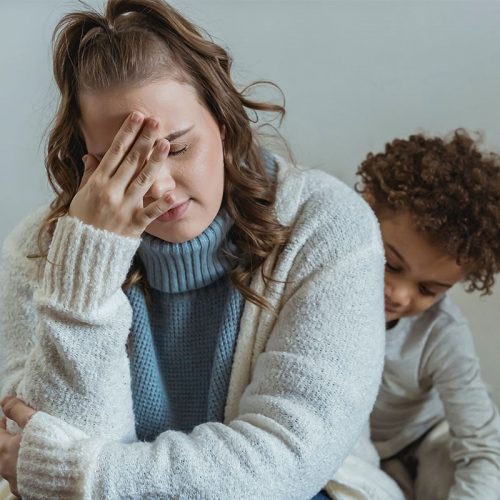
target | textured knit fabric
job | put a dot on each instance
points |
(303, 379)
(183, 267)
(431, 372)
(181, 355)
(181, 346)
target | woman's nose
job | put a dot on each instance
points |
(163, 184)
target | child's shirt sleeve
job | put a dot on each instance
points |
(451, 364)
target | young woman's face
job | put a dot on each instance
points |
(194, 169)
(417, 272)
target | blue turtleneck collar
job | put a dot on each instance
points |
(179, 267)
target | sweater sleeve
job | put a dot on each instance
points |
(64, 333)
(310, 395)
(472, 416)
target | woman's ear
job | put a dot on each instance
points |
(223, 132)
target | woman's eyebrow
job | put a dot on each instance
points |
(170, 137)
(178, 133)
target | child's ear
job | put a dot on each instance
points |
(368, 197)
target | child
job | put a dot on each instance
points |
(434, 425)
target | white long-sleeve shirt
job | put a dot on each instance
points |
(431, 373)
(302, 383)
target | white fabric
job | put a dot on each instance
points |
(5, 493)
(302, 385)
(360, 476)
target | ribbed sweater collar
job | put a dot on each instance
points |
(179, 267)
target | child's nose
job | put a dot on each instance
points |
(400, 295)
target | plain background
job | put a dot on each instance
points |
(355, 73)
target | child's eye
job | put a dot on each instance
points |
(425, 291)
(177, 149)
(391, 268)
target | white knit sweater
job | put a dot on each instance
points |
(302, 385)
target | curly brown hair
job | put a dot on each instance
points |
(452, 191)
(140, 41)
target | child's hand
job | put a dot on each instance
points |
(111, 192)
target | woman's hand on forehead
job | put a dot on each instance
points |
(111, 193)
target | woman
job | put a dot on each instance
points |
(209, 319)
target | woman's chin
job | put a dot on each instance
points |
(178, 231)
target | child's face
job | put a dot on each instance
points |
(417, 273)
(194, 170)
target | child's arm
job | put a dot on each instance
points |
(471, 414)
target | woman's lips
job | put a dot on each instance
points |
(176, 212)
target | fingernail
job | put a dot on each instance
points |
(163, 146)
(136, 117)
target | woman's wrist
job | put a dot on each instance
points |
(54, 458)
(85, 265)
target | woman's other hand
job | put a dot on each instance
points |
(14, 409)
(111, 192)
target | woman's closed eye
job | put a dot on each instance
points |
(177, 148)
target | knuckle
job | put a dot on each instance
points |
(147, 135)
(129, 128)
(143, 179)
(134, 156)
(118, 147)
(158, 208)
(107, 197)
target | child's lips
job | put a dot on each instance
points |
(389, 309)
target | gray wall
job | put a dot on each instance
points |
(355, 73)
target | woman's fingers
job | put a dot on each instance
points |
(111, 196)
(122, 142)
(14, 409)
(156, 208)
(145, 178)
(136, 157)
(90, 163)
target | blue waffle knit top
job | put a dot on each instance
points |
(182, 341)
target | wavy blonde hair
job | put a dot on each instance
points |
(140, 41)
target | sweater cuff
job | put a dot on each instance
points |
(54, 460)
(85, 265)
